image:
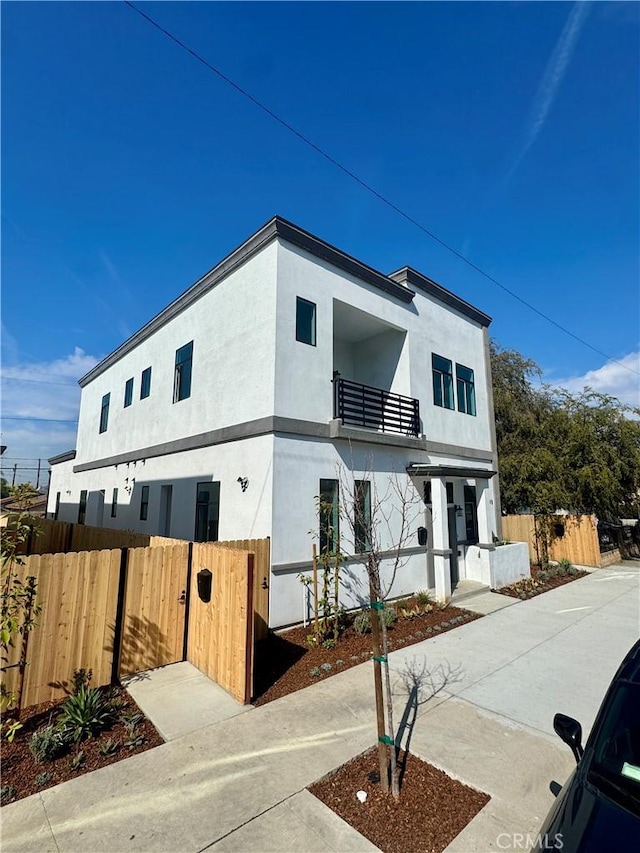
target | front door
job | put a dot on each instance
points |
(453, 544)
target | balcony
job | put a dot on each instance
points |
(364, 406)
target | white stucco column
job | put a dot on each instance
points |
(440, 546)
(486, 513)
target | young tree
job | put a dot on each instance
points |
(380, 524)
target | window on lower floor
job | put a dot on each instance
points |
(128, 393)
(82, 507)
(427, 492)
(145, 383)
(466, 390)
(104, 413)
(362, 516)
(471, 514)
(207, 512)
(56, 511)
(182, 374)
(144, 503)
(329, 511)
(442, 381)
(114, 503)
(305, 321)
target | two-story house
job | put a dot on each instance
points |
(238, 405)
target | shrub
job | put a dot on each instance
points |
(423, 596)
(564, 567)
(86, 713)
(47, 743)
(362, 622)
(43, 779)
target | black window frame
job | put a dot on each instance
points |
(207, 528)
(104, 413)
(466, 390)
(144, 503)
(82, 506)
(442, 378)
(128, 393)
(471, 515)
(183, 373)
(329, 516)
(114, 502)
(145, 383)
(302, 322)
(56, 511)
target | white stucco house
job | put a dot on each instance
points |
(233, 409)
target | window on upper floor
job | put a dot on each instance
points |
(145, 383)
(182, 375)
(305, 321)
(466, 390)
(144, 503)
(442, 381)
(362, 516)
(329, 511)
(128, 392)
(82, 507)
(114, 503)
(104, 413)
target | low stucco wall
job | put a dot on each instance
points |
(509, 563)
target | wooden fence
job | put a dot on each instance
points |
(124, 610)
(576, 539)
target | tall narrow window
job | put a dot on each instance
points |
(56, 512)
(145, 383)
(466, 390)
(104, 413)
(128, 393)
(182, 375)
(114, 503)
(82, 507)
(305, 321)
(144, 503)
(442, 381)
(329, 510)
(207, 512)
(471, 514)
(362, 512)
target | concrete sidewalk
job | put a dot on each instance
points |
(239, 784)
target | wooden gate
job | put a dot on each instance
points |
(153, 616)
(220, 632)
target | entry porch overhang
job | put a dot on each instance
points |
(419, 469)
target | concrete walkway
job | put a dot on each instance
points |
(482, 709)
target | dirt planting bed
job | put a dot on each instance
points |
(285, 662)
(541, 580)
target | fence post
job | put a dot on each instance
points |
(187, 603)
(119, 620)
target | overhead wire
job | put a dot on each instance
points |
(309, 142)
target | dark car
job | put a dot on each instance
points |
(598, 809)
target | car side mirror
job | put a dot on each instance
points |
(570, 731)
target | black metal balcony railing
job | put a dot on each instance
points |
(374, 408)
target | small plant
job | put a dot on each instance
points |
(339, 662)
(362, 622)
(86, 713)
(108, 747)
(131, 720)
(134, 741)
(81, 678)
(76, 761)
(326, 667)
(43, 779)
(7, 793)
(315, 672)
(47, 743)
(564, 567)
(423, 597)
(328, 644)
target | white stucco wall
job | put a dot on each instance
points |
(232, 327)
(509, 563)
(242, 514)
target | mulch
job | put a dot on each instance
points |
(431, 811)
(529, 588)
(20, 769)
(285, 662)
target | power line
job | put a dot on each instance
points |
(369, 188)
(48, 420)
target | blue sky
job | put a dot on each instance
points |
(510, 130)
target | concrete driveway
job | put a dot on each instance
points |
(239, 784)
